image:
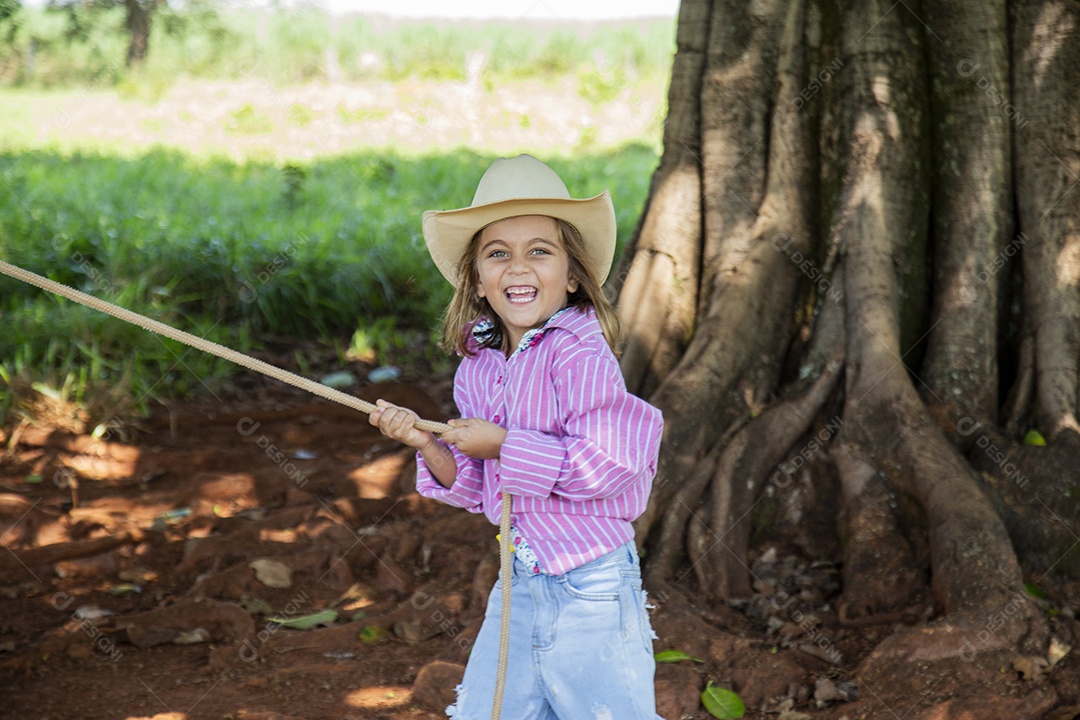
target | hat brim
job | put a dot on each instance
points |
(448, 232)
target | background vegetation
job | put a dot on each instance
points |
(65, 44)
(293, 258)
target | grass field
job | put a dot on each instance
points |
(255, 215)
(45, 47)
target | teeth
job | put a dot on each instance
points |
(521, 294)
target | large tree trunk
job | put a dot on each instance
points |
(836, 201)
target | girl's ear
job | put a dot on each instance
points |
(572, 285)
(480, 291)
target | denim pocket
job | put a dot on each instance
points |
(499, 583)
(597, 583)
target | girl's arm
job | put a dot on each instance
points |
(445, 474)
(611, 438)
(399, 424)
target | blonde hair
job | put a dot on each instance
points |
(467, 307)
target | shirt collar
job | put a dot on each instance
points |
(582, 323)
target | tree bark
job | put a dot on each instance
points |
(887, 196)
(1046, 54)
(659, 283)
(972, 205)
(742, 333)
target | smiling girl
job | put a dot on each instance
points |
(547, 417)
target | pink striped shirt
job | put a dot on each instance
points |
(580, 452)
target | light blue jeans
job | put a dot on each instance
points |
(580, 646)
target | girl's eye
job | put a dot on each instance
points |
(498, 254)
(539, 251)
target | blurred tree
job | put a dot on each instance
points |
(854, 291)
(10, 17)
(139, 20)
(139, 16)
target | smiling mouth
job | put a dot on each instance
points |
(521, 294)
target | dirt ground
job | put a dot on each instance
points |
(141, 572)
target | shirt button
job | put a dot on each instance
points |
(498, 495)
(498, 380)
(496, 419)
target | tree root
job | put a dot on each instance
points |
(50, 554)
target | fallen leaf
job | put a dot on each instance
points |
(1058, 650)
(674, 656)
(306, 622)
(722, 703)
(271, 573)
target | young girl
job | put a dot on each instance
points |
(546, 417)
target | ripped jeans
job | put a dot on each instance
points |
(580, 646)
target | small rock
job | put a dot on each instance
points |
(436, 684)
(91, 612)
(1030, 668)
(825, 692)
(384, 374)
(338, 379)
(848, 690)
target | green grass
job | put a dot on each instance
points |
(56, 48)
(245, 254)
(283, 252)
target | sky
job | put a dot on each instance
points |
(512, 9)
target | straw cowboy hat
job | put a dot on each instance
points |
(521, 186)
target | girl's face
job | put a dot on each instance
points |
(524, 272)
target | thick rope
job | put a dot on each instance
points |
(506, 562)
(303, 383)
(199, 343)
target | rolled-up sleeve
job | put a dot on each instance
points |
(468, 487)
(611, 438)
(467, 490)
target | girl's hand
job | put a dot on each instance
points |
(399, 424)
(476, 438)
